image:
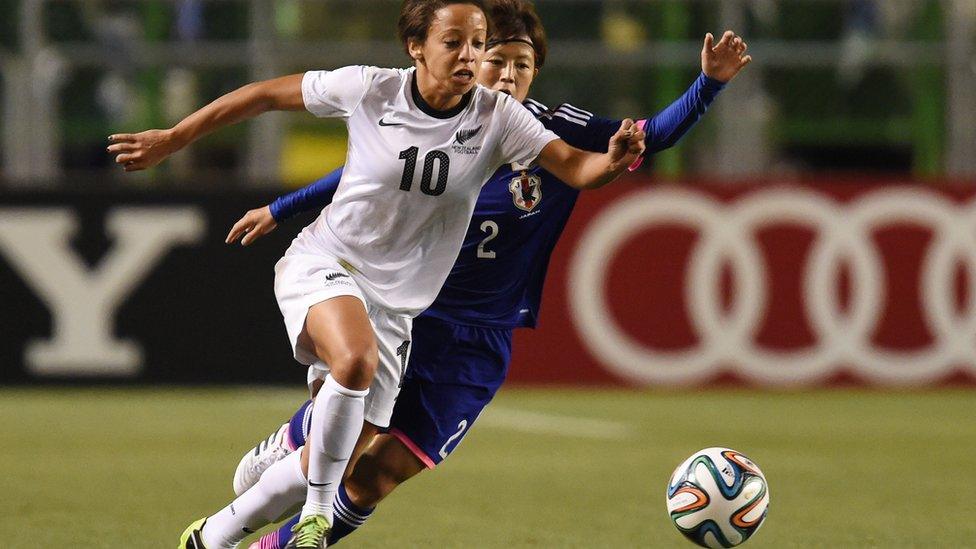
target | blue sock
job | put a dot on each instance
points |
(347, 516)
(300, 424)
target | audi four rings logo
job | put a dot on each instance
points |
(842, 334)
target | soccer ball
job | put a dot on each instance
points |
(717, 497)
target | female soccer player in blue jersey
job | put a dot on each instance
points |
(461, 344)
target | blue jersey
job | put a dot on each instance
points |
(497, 279)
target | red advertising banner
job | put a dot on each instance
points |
(764, 284)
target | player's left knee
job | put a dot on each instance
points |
(354, 367)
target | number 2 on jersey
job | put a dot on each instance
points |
(461, 427)
(443, 166)
(491, 228)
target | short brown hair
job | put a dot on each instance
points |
(517, 18)
(416, 16)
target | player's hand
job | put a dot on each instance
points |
(138, 151)
(724, 60)
(255, 224)
(627, 144)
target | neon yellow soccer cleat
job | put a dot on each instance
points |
(192, 537)
(311, 533)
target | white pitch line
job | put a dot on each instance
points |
(568, 426)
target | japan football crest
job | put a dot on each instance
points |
(526, 191)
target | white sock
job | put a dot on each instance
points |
(280, 488)
(337, 420)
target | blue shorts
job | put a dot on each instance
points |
(454, 372)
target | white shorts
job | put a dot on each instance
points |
(303, 280)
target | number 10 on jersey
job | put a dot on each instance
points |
(427, 176)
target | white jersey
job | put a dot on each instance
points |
(411, 179)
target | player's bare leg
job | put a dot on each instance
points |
(338, 330)
(278, 493)
(288, 483)
(341, 335)
(385, 464)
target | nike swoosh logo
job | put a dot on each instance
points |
(317, 485)
(382, 123)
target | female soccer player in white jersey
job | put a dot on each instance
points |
(422, 142)
(462, 343)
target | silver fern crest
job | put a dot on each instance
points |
(464, 135)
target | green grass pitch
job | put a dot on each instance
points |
(130, 468)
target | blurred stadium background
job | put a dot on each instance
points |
(795, 279)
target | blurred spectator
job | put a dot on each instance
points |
(858, 40)
(866, 22)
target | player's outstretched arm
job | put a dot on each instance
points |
(720, 64)
(261, 221)
(138, 151)
(587, 170)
